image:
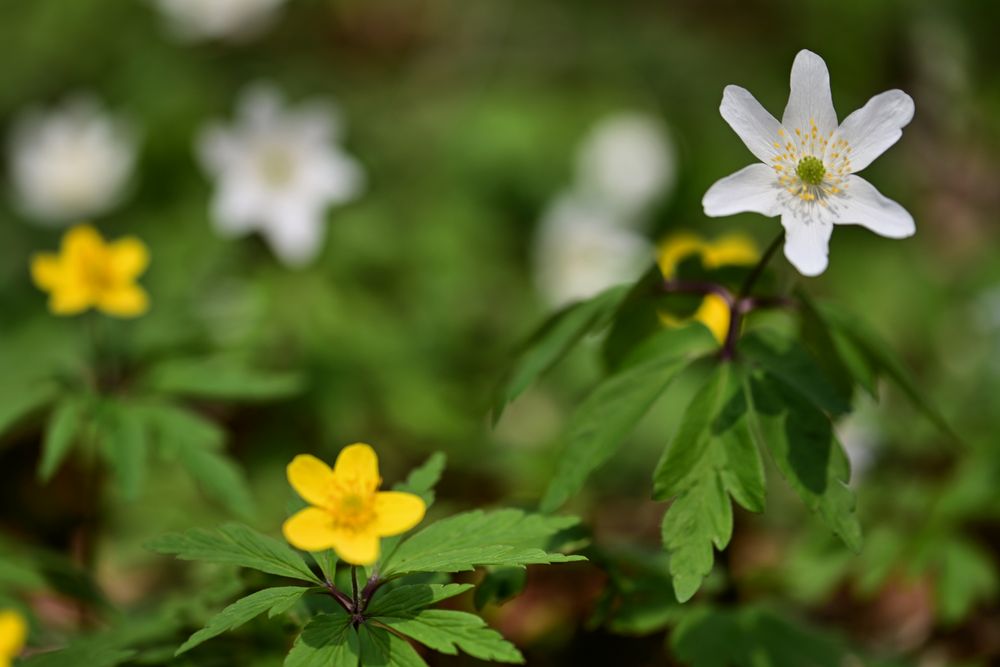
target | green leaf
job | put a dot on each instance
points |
(966, 576)
(411, 597)
(600, 424)
(272, 600)
(92, 653)
(500, 585)
(328, 640)
(220, 379)
(423, 479)
(751, 637)
(197, 444)
(711, 457)
(236, 544)
(552, 341)
(327, 562)
(449, 631)
(124, 443)
(63, 428)
(806, 451)
(885, 362)
(16, 403)
(786, 360)
(464, 541)
(380, 648)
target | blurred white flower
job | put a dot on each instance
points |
(862, 438)
(277, 171)
(71, 162)
(580, 250)
(627, 161)
(218, 19)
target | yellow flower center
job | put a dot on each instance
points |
(811, 167)
(351, 507)
(277, 166)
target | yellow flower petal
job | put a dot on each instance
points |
(70, 298)
(357, 465)
(13, 635)
(83, 244)
(311, 529)
(311, 478)
(731, 250)
(124, 301)
(396, 512)
(46, 271)
(675, 249)
(714, 314)
(128, 258)
(358, 547)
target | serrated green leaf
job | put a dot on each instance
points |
(711, 457)
(380, 648)
(17, 403)
(327, 562)
(465, 541)
(236, 544)
(751, 637)
(328, 640)
(807, 453)
(62, 430)
(449, 631)
(272, 600)
(552, 341)
(601, 423)
(885, 362)
(412, 597)
(220, 379)
(123, 439)
(197, 444)
(424, 478)
(784, 359)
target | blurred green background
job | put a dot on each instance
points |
(467, 117)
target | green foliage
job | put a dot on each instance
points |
(236, 544)
(552, 341)
(448, 631)
(499, 585)
(478, 538)
(711, 458)
(219, 379)
(123, 441)
(328, 640)
(406, 598)
(17, 402)
(272, 600)
(64, 426)
(609, 413)
(751, 637)
(423, 479)
(384, 649)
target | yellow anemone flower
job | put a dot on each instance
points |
(90, 273)
(348, 514)
(729, 250)
(13, 634)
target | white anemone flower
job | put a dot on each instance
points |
(277, 171)
(627, 161)
(71, 162)
(218, 19)
(808, 175)
(580, 251)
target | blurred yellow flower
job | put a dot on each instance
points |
(348, 514)
(13, 634)
(729, 250)
(90, 273)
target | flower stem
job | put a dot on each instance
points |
(757, 270)
(354, 584)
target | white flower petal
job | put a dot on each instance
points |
(807, 243)
(236, 209)
(864, 205)
(755, 126)
(295, 234)
(875, 127)
(752, 189)
(809, 99)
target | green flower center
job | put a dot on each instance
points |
(811, 170)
